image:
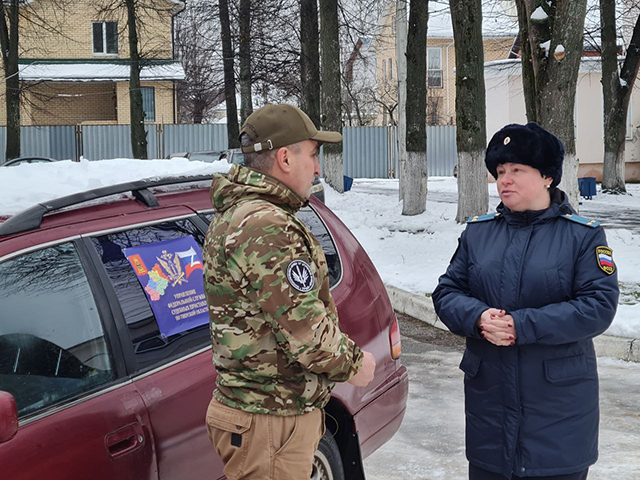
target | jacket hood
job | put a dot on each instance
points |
(243, 184)
(559, 206)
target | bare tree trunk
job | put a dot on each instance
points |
(246, 102)
(616, 90)
(233, 130)
(555, 68)
(414, 194)
(331, 98)
(528, 78)
(471, 130)
(401, 66)
(9, 45)
(310, 60)
(138, 134)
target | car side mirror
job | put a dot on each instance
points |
(8, 417)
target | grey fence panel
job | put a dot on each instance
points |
(114, 141)
(194, 138)
(53, 141)
(365, 152)
(442, 153)
(3, 144)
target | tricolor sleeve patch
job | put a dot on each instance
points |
(604, 256)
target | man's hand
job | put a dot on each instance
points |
(365, 375)
(497, 327)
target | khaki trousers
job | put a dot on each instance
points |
(264, 447)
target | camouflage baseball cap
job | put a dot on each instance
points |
(275, 126)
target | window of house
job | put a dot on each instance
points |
(105, 38)
(384, 70)
(149, 103)
(434, 67)
(150, 346)
(390, 69)
(52, 345)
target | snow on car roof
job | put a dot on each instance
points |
(26, 185)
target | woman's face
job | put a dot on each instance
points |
(521, 187)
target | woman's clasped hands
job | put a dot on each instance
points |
(497, 327)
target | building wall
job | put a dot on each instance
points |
(75, 20)
(70, 104)
(445, 97)
(505, 104)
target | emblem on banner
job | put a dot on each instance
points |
(173, 268)
(604, 256)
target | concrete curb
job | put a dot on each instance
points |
(421, 307)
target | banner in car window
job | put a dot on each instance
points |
(170, 273)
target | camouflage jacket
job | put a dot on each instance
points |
(277, 346)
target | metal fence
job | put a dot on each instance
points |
(368, 152)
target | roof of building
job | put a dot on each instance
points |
(88, 70)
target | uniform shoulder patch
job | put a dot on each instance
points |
(581, 220)
(483, 218)
(604, 256)
(300, 276)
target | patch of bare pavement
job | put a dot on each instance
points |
(430, 442)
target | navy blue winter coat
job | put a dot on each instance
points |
(532, 408)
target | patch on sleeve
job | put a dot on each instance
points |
(300, 276)
(604, 255)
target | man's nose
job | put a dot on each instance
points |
(316, 167)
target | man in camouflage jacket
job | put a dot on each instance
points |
(277, 346)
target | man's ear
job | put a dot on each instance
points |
(283, 160)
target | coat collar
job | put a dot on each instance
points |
(559, 206)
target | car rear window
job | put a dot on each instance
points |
(52, 345)
(313, 222)
(150, 344)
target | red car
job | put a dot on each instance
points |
(93, 386)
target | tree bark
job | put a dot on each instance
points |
(616, 91)
(331, 98)
(138, 134)
(555, 75)
(310, 60)
(233, 130)
(9, 43)
(246, 101)
(471, 130)
(401, 67)
(414, 194)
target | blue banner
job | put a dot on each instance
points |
(170, 273)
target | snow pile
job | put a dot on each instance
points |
(412, 252)
(25, 185)
(539, 15)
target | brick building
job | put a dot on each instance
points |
(75, 70)
(499, 31)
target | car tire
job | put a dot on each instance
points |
(327, 462)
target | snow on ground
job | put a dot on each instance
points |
(409, 252)
(412, 252)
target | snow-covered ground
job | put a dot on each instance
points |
(412, 252)
(409, 252)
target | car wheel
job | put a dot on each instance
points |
(327, 463)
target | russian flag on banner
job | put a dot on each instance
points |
(605, 259)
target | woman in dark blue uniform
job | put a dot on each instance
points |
(529, 287)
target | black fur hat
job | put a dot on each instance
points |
(528, 144)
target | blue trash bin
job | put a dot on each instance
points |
(587, 187)
(348, 182)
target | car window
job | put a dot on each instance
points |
(52, 345)
(150, 344)
(311, 219)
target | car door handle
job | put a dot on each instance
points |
(124, 440)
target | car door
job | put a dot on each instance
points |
(172, 371)
(79, 416)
